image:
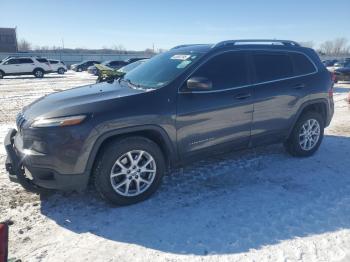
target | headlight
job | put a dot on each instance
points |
(59, 121)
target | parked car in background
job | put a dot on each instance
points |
(330, 62)
(58, 66)
(83, 66)
(185, 104)
(342, 73)
(107, 74)
(36, 66)
(115, 64)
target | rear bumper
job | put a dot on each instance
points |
(20, 170)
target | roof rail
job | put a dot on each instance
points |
(256, 41)
(180, 46)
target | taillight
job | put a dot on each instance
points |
(330, 92)
(3, 241)
(333, 76)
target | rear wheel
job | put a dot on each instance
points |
(306, 136)
(38, 73)
(61, 71)
(129, 170)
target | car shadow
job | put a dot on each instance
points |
(227, 204)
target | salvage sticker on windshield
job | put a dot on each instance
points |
(180, 57)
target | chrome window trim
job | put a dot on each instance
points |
(243, 86)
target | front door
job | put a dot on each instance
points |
(220, 116)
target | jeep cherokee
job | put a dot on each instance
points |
(187, 103)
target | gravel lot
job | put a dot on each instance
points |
(255, 205)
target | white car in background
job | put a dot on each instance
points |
(36, 66)
(58, 66)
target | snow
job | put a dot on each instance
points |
(253, 205)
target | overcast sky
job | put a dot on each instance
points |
(138, 25)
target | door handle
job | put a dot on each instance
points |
(299, 86)
(243, 96)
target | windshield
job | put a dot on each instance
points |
(129, 67)
(161, 69)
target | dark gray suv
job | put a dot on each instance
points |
(188, 103)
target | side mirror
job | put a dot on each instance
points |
(199, 83)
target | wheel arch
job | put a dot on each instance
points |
(154, 133)
(319, 106)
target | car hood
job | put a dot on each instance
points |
(79, 100)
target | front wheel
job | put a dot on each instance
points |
(1, 75)
(306, 136)
(129, 170)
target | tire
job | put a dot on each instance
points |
(38, 73)
(114, 161)
(79, 69)
(61, 71)
(295, 144)
(2, 75)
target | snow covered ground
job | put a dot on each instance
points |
(255, 205)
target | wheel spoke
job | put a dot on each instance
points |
(127, 186)
(117, 174)
(137, 182)
(137, 160)
(130, 158)
(144, 181)
(145, 170)
(121, 184)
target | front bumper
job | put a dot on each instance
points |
(18, 164)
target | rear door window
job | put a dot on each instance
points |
(271, 66)
(302, 64)
(53, 62)
(25, 61)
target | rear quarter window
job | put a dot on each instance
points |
(302, 64)
(271, 66)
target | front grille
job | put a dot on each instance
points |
(20, 120)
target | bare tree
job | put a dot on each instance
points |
(119, 48)
(336, 47)
(340, 46)
(24, 45)
(327, 47)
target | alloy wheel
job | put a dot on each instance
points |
(133, 173)
(309, 134)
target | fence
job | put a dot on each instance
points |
(72, 58)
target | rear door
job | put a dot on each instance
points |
(221, 116)
(281, 83)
